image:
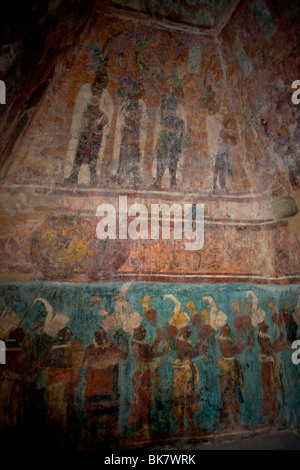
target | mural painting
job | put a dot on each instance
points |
(91, 120)
(174, 356)
(148, 109)
(101, 346)
(130, 123)
(170, 141)
(129, 153)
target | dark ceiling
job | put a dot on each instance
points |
(201, 13)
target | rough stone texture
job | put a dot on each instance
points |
(110, 94)
(284, 207)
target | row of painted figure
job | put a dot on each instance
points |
(98, 118)
(44, 367)
(88, 136)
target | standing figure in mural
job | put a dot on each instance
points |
(130, 154)
(11, 393)
(62, 359)
(284, 318)
(35, 346)
(123, 321)
(286, 138)
(143, 376)
(230, 377)
(91, 120)
(185, 377)
(271, 372)
(186, 382)
(102, 399)
(132, 118)
(279, 132)
(170, 140)
(222, 163)
(150, 313)
(93, 124)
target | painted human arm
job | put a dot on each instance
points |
(229, 349)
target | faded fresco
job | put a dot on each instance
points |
(131, 121)
(158, 116)
(145, 109)
(91, 121)
(271, 119)
(132, 362)
(137, 340)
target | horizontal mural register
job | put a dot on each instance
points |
(129, 362)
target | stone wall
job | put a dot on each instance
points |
(138, 340)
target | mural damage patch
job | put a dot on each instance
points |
(141, 361)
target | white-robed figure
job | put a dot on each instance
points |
(90, 127)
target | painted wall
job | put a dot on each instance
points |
(205, 13)
(146, 361)
(135, 341)
(149, 81)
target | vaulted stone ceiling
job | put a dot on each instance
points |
(201, 13)
(240, 79)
